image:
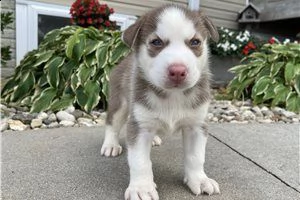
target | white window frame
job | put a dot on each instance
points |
(27, 23)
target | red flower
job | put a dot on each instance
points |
(89, 21)
(246, 50)
(251, 45)
(100, 20)
(272, 40)
(107, 23)
(81, 21)
(91, 12)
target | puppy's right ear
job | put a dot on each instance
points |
(130, 35)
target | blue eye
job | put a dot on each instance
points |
(195, 42)
(157, 42)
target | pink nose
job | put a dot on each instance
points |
(177, 73)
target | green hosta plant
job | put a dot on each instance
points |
(270, 77)
(70, 66)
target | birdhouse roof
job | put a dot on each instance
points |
(250, 5)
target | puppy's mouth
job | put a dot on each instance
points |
(170, 85)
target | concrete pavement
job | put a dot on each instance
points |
(254, 161)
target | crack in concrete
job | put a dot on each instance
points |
(257, 164)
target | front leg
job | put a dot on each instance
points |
(194, 142)
(141, 186)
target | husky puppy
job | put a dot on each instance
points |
(162, 87)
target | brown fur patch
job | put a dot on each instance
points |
(143, 87)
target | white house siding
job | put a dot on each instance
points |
(223, 12)
(129, 7)
(9, 37)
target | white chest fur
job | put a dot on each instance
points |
(169, 114)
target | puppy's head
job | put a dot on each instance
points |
(171, 46)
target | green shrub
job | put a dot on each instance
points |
(270, 77)
(70, 66)
(6, 19)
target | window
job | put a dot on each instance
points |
(35, 19)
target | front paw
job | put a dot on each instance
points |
(141, 191)
(202, 185)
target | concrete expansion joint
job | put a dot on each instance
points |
(255, 163)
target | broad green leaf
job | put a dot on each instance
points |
(297, 67)
(53, 70)
(238, 68)
(102, 56)
(297, 84)
(71, 42)
(91, 46)
(264, 72)
(74, 82)
(44, 57)
(289, 72)
(92, 90)
(63, 102)
(90, 59)
(275, 68)
(26, 84)
(261, 86)
(118, 52)
(269, 93)
(294, 46)
(11, 83)
(281, 94)
(79, 47)
(68, 69)
(81, 97)
(43, 80)
(43, 102)
(241, 89)
(84, 73)
(255, 70)
(293, 102)
(273, 57)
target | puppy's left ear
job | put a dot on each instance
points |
(130, 35)
(213, 31)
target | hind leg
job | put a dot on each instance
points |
(115, 120)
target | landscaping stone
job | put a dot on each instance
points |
(42, 116)
(70, 109)
(36, 123)
(65, 123)
(100, 122)
(63, 115)
(53, 125)
(52, 118)
(224, 111)
(85, 122)
(16, 125)
(77, 113)
(24, 118)
(248, 115)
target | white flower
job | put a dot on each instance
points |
(230, 34)
(226, 30)
(247, 33)
(233, 47)
(218, 45)
(286, 41)
(225, 46)
(296, 42)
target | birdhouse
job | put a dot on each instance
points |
(249, 14)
